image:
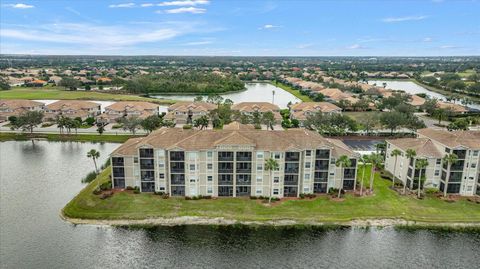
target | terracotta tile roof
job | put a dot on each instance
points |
(72, 104)
(17, 103)
(235, 125)
(468, 139)
(293, 139)
(255, 106)
(129, 147)
(424, 147)
(454, 107)
(416, 100)
(324, 107)
(131, 106)
(192, 106)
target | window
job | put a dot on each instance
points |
(161, 153)
(439, 161)
(475, 153)
(276, 179)
(277, 155)
(332, 174)
(306, 189)
(161, 176)
(307, 177)
(259, 191)
(209, 178)
(332, 161)
(192, 167)
(474, 165)
(193, 180)
(308, 153)
(307, 165)
(259, 167)
(259, 154)
(209, 166)
(275, 191)
(135, 159)
(437, 172)
(209, 190)
(162, 188)
(209, 154)
(161, 165)
(259, 178)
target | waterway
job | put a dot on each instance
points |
(38, 179)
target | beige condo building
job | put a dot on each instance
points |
(231, 162)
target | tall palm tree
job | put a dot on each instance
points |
(342, 162)
(94, 154)
(411, 154)
(449, 159)
(363, 160)
(420, 164)
(271, 165)
(375, 159)
(395, 153)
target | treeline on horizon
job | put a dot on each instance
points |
(183, 82)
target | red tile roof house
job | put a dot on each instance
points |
(16, 107)
(127, 109)
(248, 108)
(301, 111)
(187, 112)
(72, 109)
(36, 83)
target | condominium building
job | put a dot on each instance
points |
(301, 111)
(187, 112)
(17, 107)
(129, 109)
(72, 109)
(462, 177)
(231, 162)
(249, 108)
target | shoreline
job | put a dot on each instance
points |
(220, 221)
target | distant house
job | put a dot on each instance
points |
(248, 108)
(301, 111)
(104, 80)
(337, 95)
(187, 112)
(416, 101)
(127, 109)
(455, 108)
(55, 79)
(16, 107)
(72, 109)
(36, 83)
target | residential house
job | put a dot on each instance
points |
(128, 109)
(72, 109)
(17, 107)
(249, 108)
(301, 111)
(232, 163)
(187, 112)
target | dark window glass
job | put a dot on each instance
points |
(225, 179)
(225, 167)
(292, 156)
(244, 156)
(147, 175)
(243, 191)
(321, 165)
(290, 180)
(177, 179)
(117, 161)
(322, 154)
(118, 172)
(146, 164)
(292, 168)
(178, 191)
(146, 153)
(177, 156)
(289, 191)
(177, 167)
(225, 156)
(148, 186)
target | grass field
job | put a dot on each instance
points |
(61, 137)
(384, 204)
(293, 91)
(54, 93)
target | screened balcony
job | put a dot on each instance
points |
(244, 156)
(225, 156)
(322, 154)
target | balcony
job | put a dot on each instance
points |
(321, 165)
(225, 168)
(244, 168)
(177, 156)
(225, 156)
(290, 180)
(244, 180)
(349, 174)
(177, 167)
(320, 177)
(458, 166)
(322, 154)
(177, 179)
(117, 161)
(147, 175)
(146, 164)
(146, 153)
(244, 156)
(292, 156)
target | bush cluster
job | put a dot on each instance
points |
(198, 197)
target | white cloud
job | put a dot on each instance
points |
(427, 39)
(268, 27)
(198, 43)
(123, 5)
(147, 5)
(20, 6)
(304, 46)
(401, 19)
(184, 3)
(193, 10)
(450, 47)
(355, 47)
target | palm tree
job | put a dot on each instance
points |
(363, 160)
(411, 153)
(395, 153)
(375, 159)
(420, 164)
(449, 159)
(271, 165)
(94, 154)
(342, 162)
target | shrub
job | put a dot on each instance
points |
(106, 185)
(310, 195)
(46, 124)
(253, 197)
(130, 188)
(332, 190)
(165, 196)
(89, 177)
(136, 190)
(187, 126)
(106, 195)
(258, 126)
(90, 121)
(97, 191)
(431, 191)
(302, 195)
(117, 126)
(159, 193)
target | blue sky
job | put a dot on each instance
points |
(227, 27)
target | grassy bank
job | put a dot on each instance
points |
(54, 93)
(445, 92)
(385, 204)
(293, 91)
(61, 137)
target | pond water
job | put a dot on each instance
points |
(255, 92)
(37, 180)
(412, 88)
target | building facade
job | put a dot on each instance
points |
(187, 112)
(17, 107)
(129, 109)
(72, 109)
(462, 177)
(232, 163)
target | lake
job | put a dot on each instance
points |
(255, 92)
(37, 180)
(412, 88)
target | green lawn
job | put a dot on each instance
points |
(54, 93)
(384, 204)
(4, 136)
(293, 91)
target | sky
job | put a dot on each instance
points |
(241, 28)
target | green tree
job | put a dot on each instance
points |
(131, 123)
(28, 120)
(201, 122)
(395, 153)
(151, 123)
(271, 165)
(420, 164)
(94, 155)
(410, 154)
(100, 128)
(268, 118)
(440, 114)
(375, 159)
(393, 120)
(363, 159)
(69, 83)
(450, 159)
(4, 84)
(342, 162)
